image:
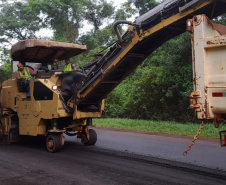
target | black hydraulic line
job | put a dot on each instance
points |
(88, 66)
(70, 134)
(108, 46)
(95, 62)
(116, 23)
(63, 101)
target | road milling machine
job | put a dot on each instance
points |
(65, 102)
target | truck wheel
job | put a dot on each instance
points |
(92, 138)
(54, 142)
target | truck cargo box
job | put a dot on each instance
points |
(209, 69)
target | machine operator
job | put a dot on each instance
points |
(23, 76)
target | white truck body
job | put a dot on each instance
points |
(209, 69)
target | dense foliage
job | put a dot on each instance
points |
(5, 68)
(159, 88)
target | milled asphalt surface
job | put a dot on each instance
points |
(118, 158)
(206, 153)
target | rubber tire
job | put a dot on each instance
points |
(93, 137)
(57, 143)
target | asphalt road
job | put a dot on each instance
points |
(111, 161)
(206, 152)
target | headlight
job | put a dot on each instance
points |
(54, 87)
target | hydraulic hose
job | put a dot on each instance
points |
(116, 23)
(70, 134)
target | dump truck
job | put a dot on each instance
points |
(66, 102)
(209, 71)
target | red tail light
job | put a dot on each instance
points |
(217, 94)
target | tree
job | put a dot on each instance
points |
(17, 22)
(66, 17)
(97, 12)
(159, 89)
(220, 19)
(63, 17)
(5, 68)
(143, 6)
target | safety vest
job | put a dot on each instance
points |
(26, 74)
(68, 67)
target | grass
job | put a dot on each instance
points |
(165, 127)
